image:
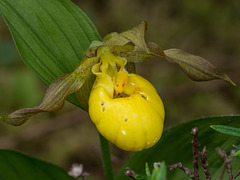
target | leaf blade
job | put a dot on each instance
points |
(175, 146)
(232, 131)
(17, 166)
(51, 35)
(159, 173)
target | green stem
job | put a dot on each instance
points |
(107, 164)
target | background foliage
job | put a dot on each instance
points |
(206, 28)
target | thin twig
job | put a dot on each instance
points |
(130, 173)
(180, 166)
(237, 174)
(195, 147)
(203, 158)
(223, 171)
(226, 162)
(225, 165)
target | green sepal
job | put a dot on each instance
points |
(132, 46)
(115, 39)
(134, 35)
(56, 93)
(137, 36)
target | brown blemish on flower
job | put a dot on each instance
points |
(143, 96)
(103, 109)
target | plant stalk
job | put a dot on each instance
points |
(106, 157)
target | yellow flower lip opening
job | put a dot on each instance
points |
(120, 82)
(125, 108)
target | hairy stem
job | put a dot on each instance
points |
(203, 159)
(195, 147)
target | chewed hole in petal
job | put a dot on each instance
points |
(124, 132)
(103, 109)
(143, 96)
(120, 95)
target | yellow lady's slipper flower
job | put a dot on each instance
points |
(125, 108)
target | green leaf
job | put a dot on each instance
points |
(140, 177)
(147, 170)
(175, 146)
(232, 131)
(56, 93)
(17, 166)
(51, 35)
(195, 67)
(237, 153)
(159, 173)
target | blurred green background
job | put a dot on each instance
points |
(208, 28)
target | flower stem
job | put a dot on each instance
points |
(107, 164)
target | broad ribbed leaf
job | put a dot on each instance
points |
(51, 35)
(175, 146)
(17, 166)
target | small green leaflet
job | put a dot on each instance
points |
(232, 131)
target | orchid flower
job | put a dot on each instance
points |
(124, 106)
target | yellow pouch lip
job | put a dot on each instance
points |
(109, 114)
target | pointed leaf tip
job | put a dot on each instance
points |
(232, 131)
(137, 36)
(134, 35)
